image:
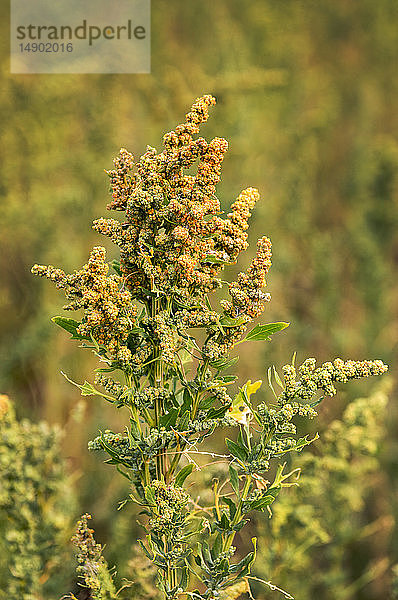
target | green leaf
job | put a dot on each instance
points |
(183, 474)
(277, 378)
(206, 403)
(217, 546)
(170, 418)
(150, 495)
(242, 568)
(211, 258)
(186, 401)
(227, 321)
(205, 551)
(226, 379)
(127, 476)
(206, 434)
(115, 264)
(70, 325)
(263, 502)
(224, 522)
(217, 413)
(304, 441)
(184, 420)
(269, 373)
(198, 560)
(234, 479)
(138, 331)
(145, 550)
(231, 505)
(184, 578)
(236, 450)
(263, 332)
(316, 402)
(240, 524)
(221, 363)
(87, 389)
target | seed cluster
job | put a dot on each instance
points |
(92, 567)
(109, 313)
(170, 505)
(111, 386)
(247, 295)
(312, 378)
(147, 397)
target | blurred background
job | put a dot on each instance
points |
(307, 96)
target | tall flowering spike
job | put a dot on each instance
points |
(121, 180)
(92, 567)
(167, 241)
(182, 136)
(312, 378)
(247, 296)
(230, 234)
(240, 209)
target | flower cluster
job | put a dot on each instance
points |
(109, 313)
(162, 241)
(173, 245)
(169, 508)
(111, 386)
(92, 567)
(230, 234)
(121, 180)
(147, 397)
(246, 293)
(312, 378)
(167, 536)
(169, 342)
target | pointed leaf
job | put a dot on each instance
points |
(227, 321)
(263, 332)
(183, 474)
(236, 450)
(221, 363)
(115, 264)
(170, 418)
(71, 326)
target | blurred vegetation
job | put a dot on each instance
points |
(307, 95)
(36, 508)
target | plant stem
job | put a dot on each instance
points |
(158, 383)
(161, 466)
(195, 405)
(246, 488)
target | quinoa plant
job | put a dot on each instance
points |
(163, 339)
